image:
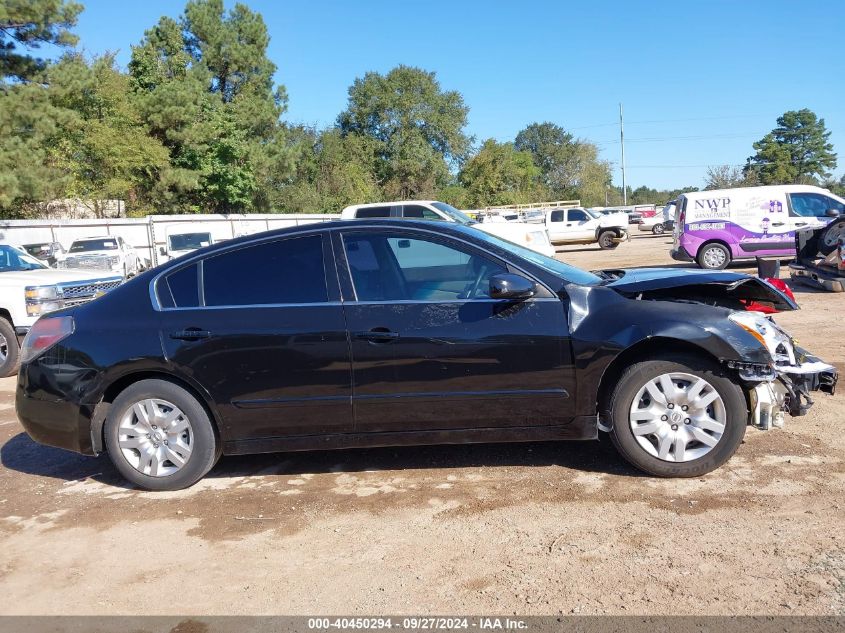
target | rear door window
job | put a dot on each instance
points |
(279, 272)
(183, 286)
(373, 212)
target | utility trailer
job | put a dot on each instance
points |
(149, 235)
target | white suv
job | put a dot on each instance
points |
(531, 236)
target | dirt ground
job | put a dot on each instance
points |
(549, 528)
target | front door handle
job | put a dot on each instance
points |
(777, 223)
(190, 334)
(800, 224)
(378, 335)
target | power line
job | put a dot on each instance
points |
(709, 118)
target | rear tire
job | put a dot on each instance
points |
(9, 351)
(720, 424)
(159, 436)
(830, 236)
(713, 256)
(657, 229)
(606, 240)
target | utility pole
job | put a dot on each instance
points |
(622, 140)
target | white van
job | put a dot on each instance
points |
(713, 228)
(531, 236)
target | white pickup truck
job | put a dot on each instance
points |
(583, 226)
(533, 236)
(29, 288)
(104, 253)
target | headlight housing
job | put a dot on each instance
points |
(42, 299)
(777, 342)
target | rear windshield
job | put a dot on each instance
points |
(105, 244)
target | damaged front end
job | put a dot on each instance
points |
(785, 384)
(782, 384)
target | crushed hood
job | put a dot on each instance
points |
(714, 287)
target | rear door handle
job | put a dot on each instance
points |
(378, 335)
(190, 334)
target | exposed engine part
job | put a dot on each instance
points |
(768, 400)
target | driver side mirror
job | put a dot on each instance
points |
(510, 286)
(832, 213)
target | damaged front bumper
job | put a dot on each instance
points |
(786, 388)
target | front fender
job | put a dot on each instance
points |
(604, 325)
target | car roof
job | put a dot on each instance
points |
(390, 203)
(763, 189)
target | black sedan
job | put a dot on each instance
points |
(398, 332)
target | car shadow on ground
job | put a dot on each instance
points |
(22, 455)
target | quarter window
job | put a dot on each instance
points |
(393, 267)
(284, 271)
(813, 204)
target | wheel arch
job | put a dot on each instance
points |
(119, 384)
(714, 240)
(641, 350)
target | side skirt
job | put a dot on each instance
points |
(581, 428)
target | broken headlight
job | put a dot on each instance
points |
(777, 342)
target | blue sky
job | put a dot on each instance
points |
(700, 81)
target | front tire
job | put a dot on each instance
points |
(9, 350)
(677, 416)
(714, 256)
(606, 240)
(159, 436)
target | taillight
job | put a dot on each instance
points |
(44, 334)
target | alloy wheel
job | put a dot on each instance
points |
(155, 437)
(678, 417)
(4, 349)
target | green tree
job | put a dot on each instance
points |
(204, 85)
(798, 150)
(28, 24)
(418, 129)
(570, 168)
(500, 174)
(332, 171)
(29, 126)
(728, 177)
(104, 148)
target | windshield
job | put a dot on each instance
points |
(593, 214)
(569, 273)
(37, 249)
(189, 241)
(458, 216)
(105, 244)
(13, 260)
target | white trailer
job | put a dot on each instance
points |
(149, 235)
